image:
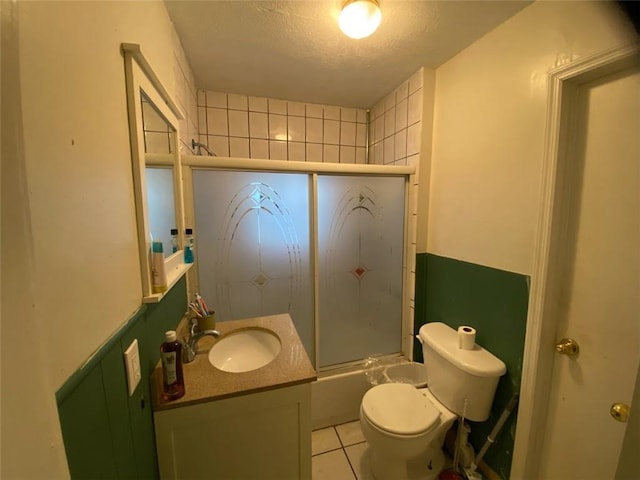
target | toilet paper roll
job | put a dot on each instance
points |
(466, 337)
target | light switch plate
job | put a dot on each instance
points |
(132, 363)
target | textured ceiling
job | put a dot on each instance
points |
(294, 49)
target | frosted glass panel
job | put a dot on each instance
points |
(252, 244)
(162, 213)
(360, 240)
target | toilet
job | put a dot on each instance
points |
(405, 426)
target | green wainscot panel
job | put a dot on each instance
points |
(84, 419)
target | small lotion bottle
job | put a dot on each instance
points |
(172, 378)
(174, 240)
(189, 246)
(158, 273)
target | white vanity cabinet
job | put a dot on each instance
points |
(258, 436)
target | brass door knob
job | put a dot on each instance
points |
(567, 346)
(620, 411)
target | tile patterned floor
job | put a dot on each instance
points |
(340, 453)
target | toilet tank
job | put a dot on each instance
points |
(464, 381)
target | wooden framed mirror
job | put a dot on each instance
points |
(153, 130)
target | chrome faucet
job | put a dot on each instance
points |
(189, 353)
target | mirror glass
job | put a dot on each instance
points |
(162, 212)
(158, 134)
(159, 139)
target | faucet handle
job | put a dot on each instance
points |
(194, 326)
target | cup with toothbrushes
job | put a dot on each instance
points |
(205, 317)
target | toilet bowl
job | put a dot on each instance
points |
(405, 428)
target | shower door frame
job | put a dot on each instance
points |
(313, 169)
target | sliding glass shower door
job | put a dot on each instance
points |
(255, 258)
(360, 250)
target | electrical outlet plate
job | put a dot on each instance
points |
(132, 364)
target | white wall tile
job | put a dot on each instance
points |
(296, 109)
(415, 82)
(277, 127)
(277, 150)
(258, 125)
(237, 102)
(414, 111)
(259, 148)
(361, 155)
(347, 133)
(238, 123)
(400, 144)
(390, 122)
(330, 153)
(277, 106)
(314, 152)
(217, 121)
(378, 153)
(331, 112)
(413, 160)
(390, 101)
(402, 91)
(202, 120)
(258, 104)
(296, 129)
(401, 115)
(219, 145)
(314, 130)
(239, 147)
(361, 116)
(331, 133)
(413, 138)
(314, 110)
(378, 129)
(216, 99)
(348, 115)
(297, 151)
(202, 98)
(361, 135)
(373, 113)
(389, 150)
(347, 154)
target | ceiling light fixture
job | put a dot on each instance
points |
(359, 18)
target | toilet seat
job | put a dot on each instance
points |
(399, 408)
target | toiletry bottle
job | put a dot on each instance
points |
(158, 273)
(189, 247)
(174, 240)
(172, 378)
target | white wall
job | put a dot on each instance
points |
(489, 129)
(71, 274)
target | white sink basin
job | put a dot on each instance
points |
(244, 350)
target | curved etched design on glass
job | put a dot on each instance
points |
(260, 206)
(361, 242)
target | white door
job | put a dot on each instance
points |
(600, 292)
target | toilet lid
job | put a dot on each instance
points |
(399, 408)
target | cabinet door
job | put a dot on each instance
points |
(265, 435)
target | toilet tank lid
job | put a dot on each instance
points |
(444, 340)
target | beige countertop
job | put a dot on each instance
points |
(204, 382)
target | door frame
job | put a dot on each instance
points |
(555, 206)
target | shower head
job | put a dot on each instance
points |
(200, 146)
